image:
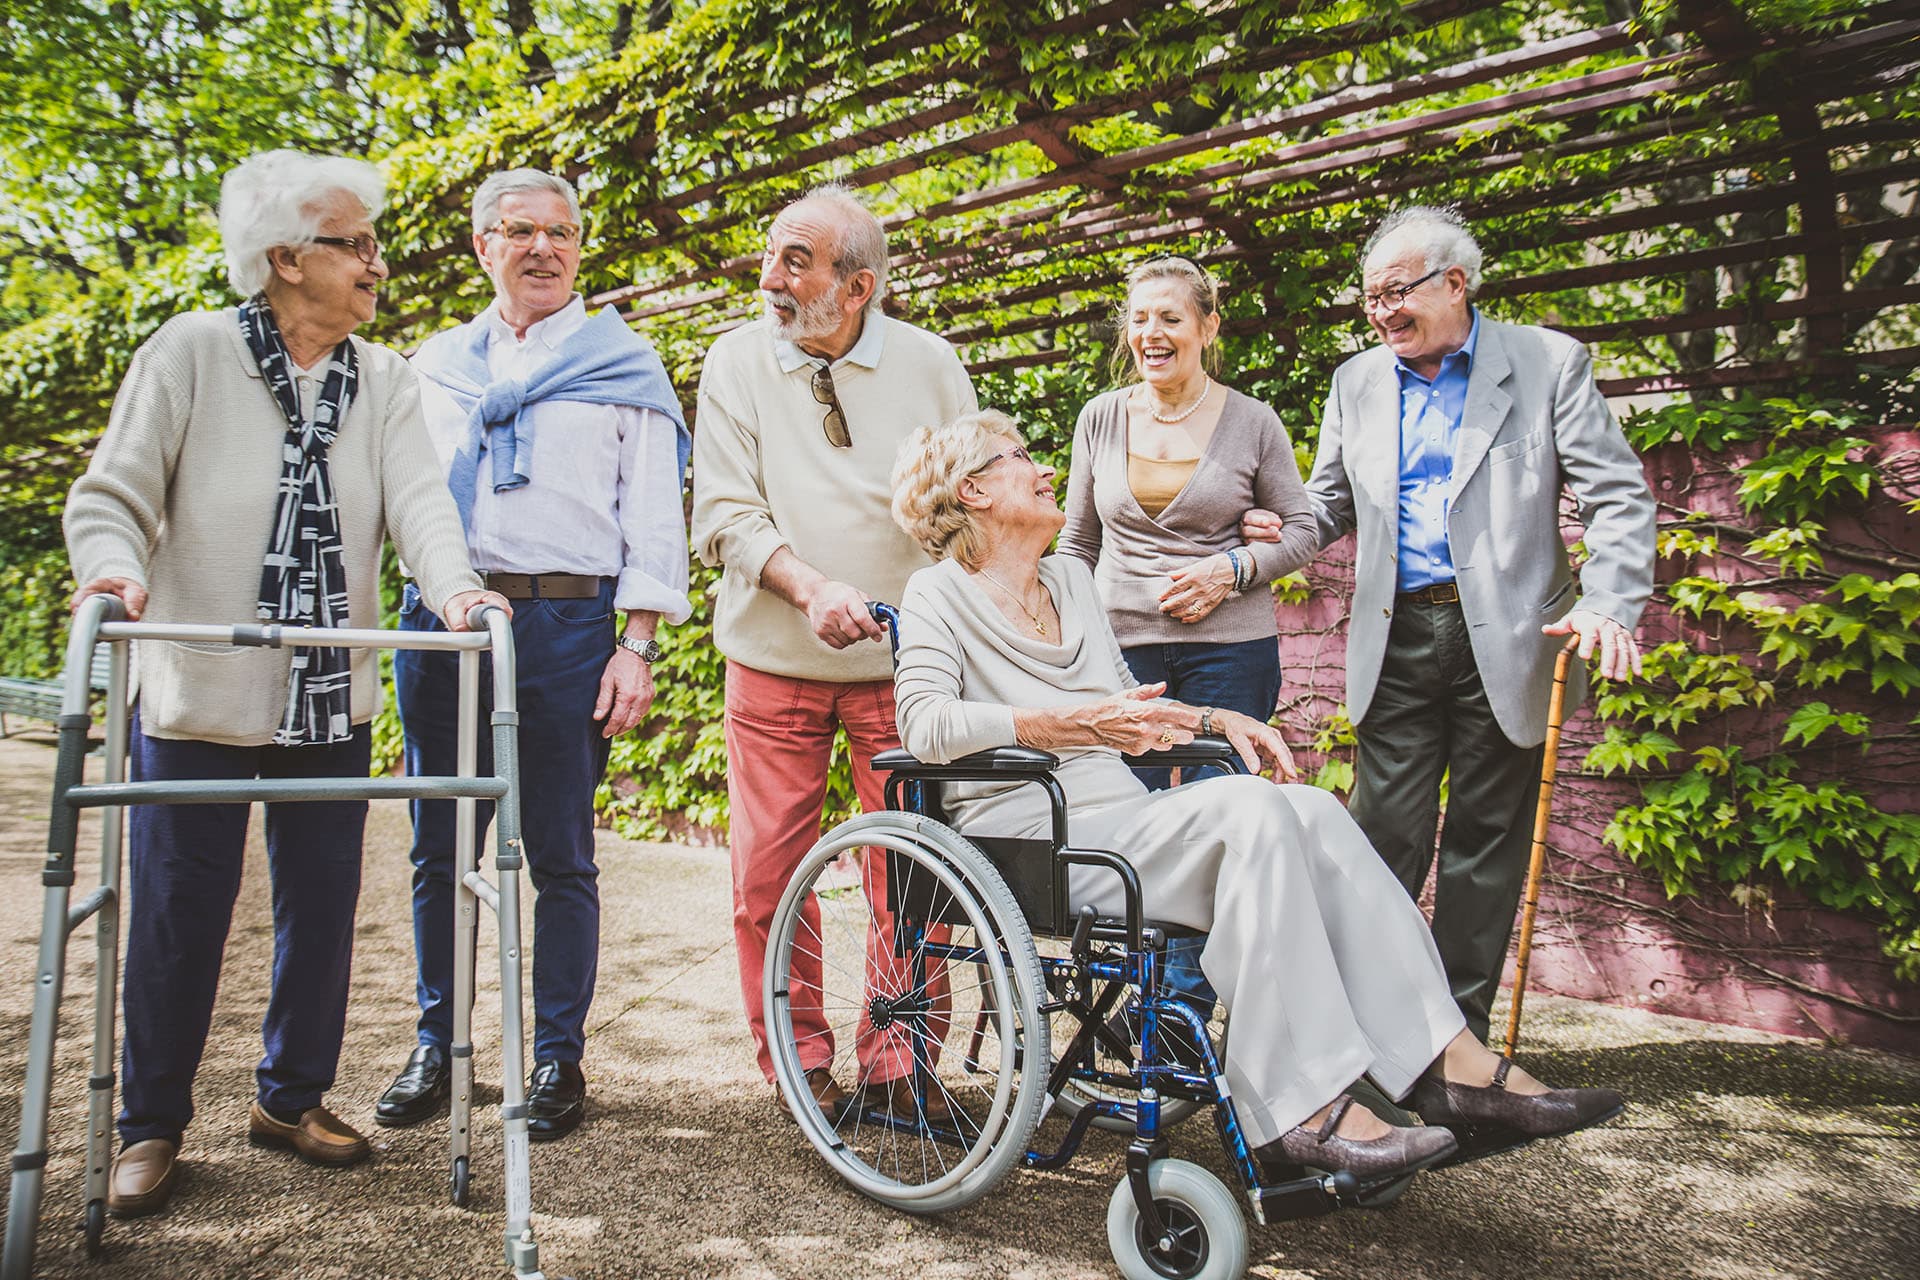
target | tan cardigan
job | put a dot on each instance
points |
(765, 477)
(180, 497)
(1248, 462)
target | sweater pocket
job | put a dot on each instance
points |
(213, 692)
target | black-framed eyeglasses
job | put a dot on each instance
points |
(836, 421)
(1392, 299)
(1015, 452)
(365, 248)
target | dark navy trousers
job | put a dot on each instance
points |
(184, 863)
(1243, 677)
(561, 648)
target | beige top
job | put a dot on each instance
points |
(964, 667)
(765, 477)
(180, 497)
(1155, 482)
(1248, 462)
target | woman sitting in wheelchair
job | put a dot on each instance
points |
(1325, 963)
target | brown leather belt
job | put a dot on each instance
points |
(547, 586)
(1438, 593)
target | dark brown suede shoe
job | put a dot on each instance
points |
(1397, 1153)
(1524, 1116)
(831, 1098)
(895, 1097)
(142, 1178)
(321, 1137)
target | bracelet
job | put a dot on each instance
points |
(1206, 720)
(1242, 569)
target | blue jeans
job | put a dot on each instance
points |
(183, 867)
(561, 648)
(1243, 677)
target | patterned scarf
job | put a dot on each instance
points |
(304, 579)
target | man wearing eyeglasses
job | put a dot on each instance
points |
(800, 415)
(564, 447)
(1445, 450)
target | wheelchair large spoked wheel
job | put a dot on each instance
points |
(1108, 1057)
(1203, 1238)
(886, 1001)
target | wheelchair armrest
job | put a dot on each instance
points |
(981, 766)
(1212, 749)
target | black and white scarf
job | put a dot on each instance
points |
(304, 578)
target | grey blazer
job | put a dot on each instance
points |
(1534, 422)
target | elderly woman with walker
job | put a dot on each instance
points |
(255, 460)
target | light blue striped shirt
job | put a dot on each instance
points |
(1430, 413)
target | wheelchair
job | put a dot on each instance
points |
(909, 957)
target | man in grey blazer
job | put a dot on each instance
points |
(1445, 449)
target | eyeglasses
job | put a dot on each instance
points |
(1391, 300)
(1015, 452)
(366, 248)
(521, 232)
(836, 422)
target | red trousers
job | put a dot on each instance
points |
(779, 733)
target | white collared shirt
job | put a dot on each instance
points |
(603, 494)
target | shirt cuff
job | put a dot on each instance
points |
(642, 591)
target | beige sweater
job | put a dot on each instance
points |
(766, 477)
(181, 495)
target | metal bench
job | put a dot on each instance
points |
(40, 699)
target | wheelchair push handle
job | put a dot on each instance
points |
(889, 617)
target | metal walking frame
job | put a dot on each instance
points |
(98, 620)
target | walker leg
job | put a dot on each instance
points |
(106, 969)
(522, 1252)
(30, 1153)
(460, 1054)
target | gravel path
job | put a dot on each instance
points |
(1743, 1154)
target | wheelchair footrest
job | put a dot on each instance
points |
(1312, 1195)
(1478, 1141)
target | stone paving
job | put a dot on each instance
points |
(1743, 1154)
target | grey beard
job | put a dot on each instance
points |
(814, 319)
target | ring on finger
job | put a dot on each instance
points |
(1166, 737)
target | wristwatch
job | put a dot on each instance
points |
(648, 650)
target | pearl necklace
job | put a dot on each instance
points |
(1184, 414)
(1039, 623)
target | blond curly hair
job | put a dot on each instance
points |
(926, 483)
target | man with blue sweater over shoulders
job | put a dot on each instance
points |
(565, 447)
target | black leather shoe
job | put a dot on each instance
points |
(556, 1100)
(417, 1092)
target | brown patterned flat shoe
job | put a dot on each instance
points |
(1485, 1116)
(1396, 1153)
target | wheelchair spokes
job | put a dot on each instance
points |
(876, 995)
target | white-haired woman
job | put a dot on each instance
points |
(253, 463)
(1326, 965)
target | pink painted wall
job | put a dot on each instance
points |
(1607, 930)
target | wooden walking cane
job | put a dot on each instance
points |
(1542, 815)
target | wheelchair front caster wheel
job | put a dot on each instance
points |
(96, 1228)
(1205, 1236)
(461, 1184)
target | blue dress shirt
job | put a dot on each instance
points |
(1430, 413)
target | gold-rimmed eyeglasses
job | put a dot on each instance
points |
(365, 248)
(836, 421)
(522, 232)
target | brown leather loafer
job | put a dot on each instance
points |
(142, 1179)
(830, 1097)
(1393, 1155)
(321, 1137)
(1523, 1115)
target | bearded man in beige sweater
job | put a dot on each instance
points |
(800, 415)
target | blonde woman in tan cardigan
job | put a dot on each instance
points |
(1164, 467)
(253, 464)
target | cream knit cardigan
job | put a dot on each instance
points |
(180, 497)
